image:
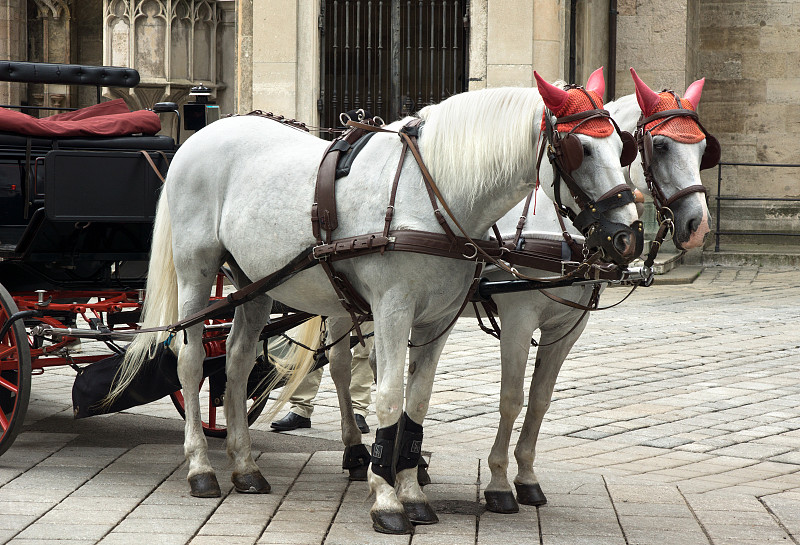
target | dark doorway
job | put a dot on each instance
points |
(390, 57)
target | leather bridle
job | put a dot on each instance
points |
(644, 142)
(565, 153)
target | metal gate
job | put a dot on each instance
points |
(390, 57)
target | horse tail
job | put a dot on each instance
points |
(160, 305)
(293, 358)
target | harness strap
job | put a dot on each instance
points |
(153, 165)
(574, 246)
(524, 217)
(323, 211)
(29, 181)
(304, 260)
(393, 196)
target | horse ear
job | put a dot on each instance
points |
(694, 91)
(597, 82)
(646, 97)
(554, 98)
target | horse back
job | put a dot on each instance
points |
(244, 186)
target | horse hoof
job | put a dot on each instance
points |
(423, 478)
(391, 522)
(251, 483)
(358, 473)
(530, 494)
(500, 501)
(204, 485)
(420, 513)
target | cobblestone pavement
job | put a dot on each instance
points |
(676, 420)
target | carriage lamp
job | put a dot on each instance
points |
(202, 111)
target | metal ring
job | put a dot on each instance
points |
(344, 118)
(474, 255)
(666, 215)
(379, 120)
(361, 114)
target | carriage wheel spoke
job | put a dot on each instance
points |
(3, 422)
(212, 413)
(8, 386)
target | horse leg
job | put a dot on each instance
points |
(392, 328)
(356, 456)
(193, 296)
(241, 349)
(421, 371)
(519, 322)
(548, 363)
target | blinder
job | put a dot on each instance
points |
(713, 151)
(570, 149)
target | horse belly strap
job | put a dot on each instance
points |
(422, 242)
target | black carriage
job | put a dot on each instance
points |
(76, 216)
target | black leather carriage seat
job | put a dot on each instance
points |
(158, 142)
(68, 74)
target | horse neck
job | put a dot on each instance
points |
(541, 218)
(478, 205)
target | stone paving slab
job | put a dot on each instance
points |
(675, 420)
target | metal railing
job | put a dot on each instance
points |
(721, 198)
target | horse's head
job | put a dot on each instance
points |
(586, 149)
(674, 148)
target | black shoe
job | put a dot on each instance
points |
(361, 422)
(290, 422)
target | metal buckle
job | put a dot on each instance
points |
(475, 249)
(315, 254)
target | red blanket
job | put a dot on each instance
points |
(105, 119)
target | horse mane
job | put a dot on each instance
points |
(473, 141)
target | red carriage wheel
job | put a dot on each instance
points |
(15, 373)
(212, 415)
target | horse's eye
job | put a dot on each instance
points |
(587, 151)
(661, 145)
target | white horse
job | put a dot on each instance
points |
(676, 167)
(241, 191)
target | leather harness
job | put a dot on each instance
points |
(521, 251)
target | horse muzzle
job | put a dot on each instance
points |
(619, 243)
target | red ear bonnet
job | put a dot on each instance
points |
(694, 91)
(567, 102)
(554, 98)
(680, 129)
(597, 82)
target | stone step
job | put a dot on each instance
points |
(778, 256)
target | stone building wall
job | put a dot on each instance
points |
(750, 54)
(655, 38)
(748, 51)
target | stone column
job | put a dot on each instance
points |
(275, 45)
(653, 38)
(308, 68)
(244, 56)
(53, 28)
(591, 39)
(13, 40)
(509, 39)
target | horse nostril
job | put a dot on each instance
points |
(693, 225)
(623, 242)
